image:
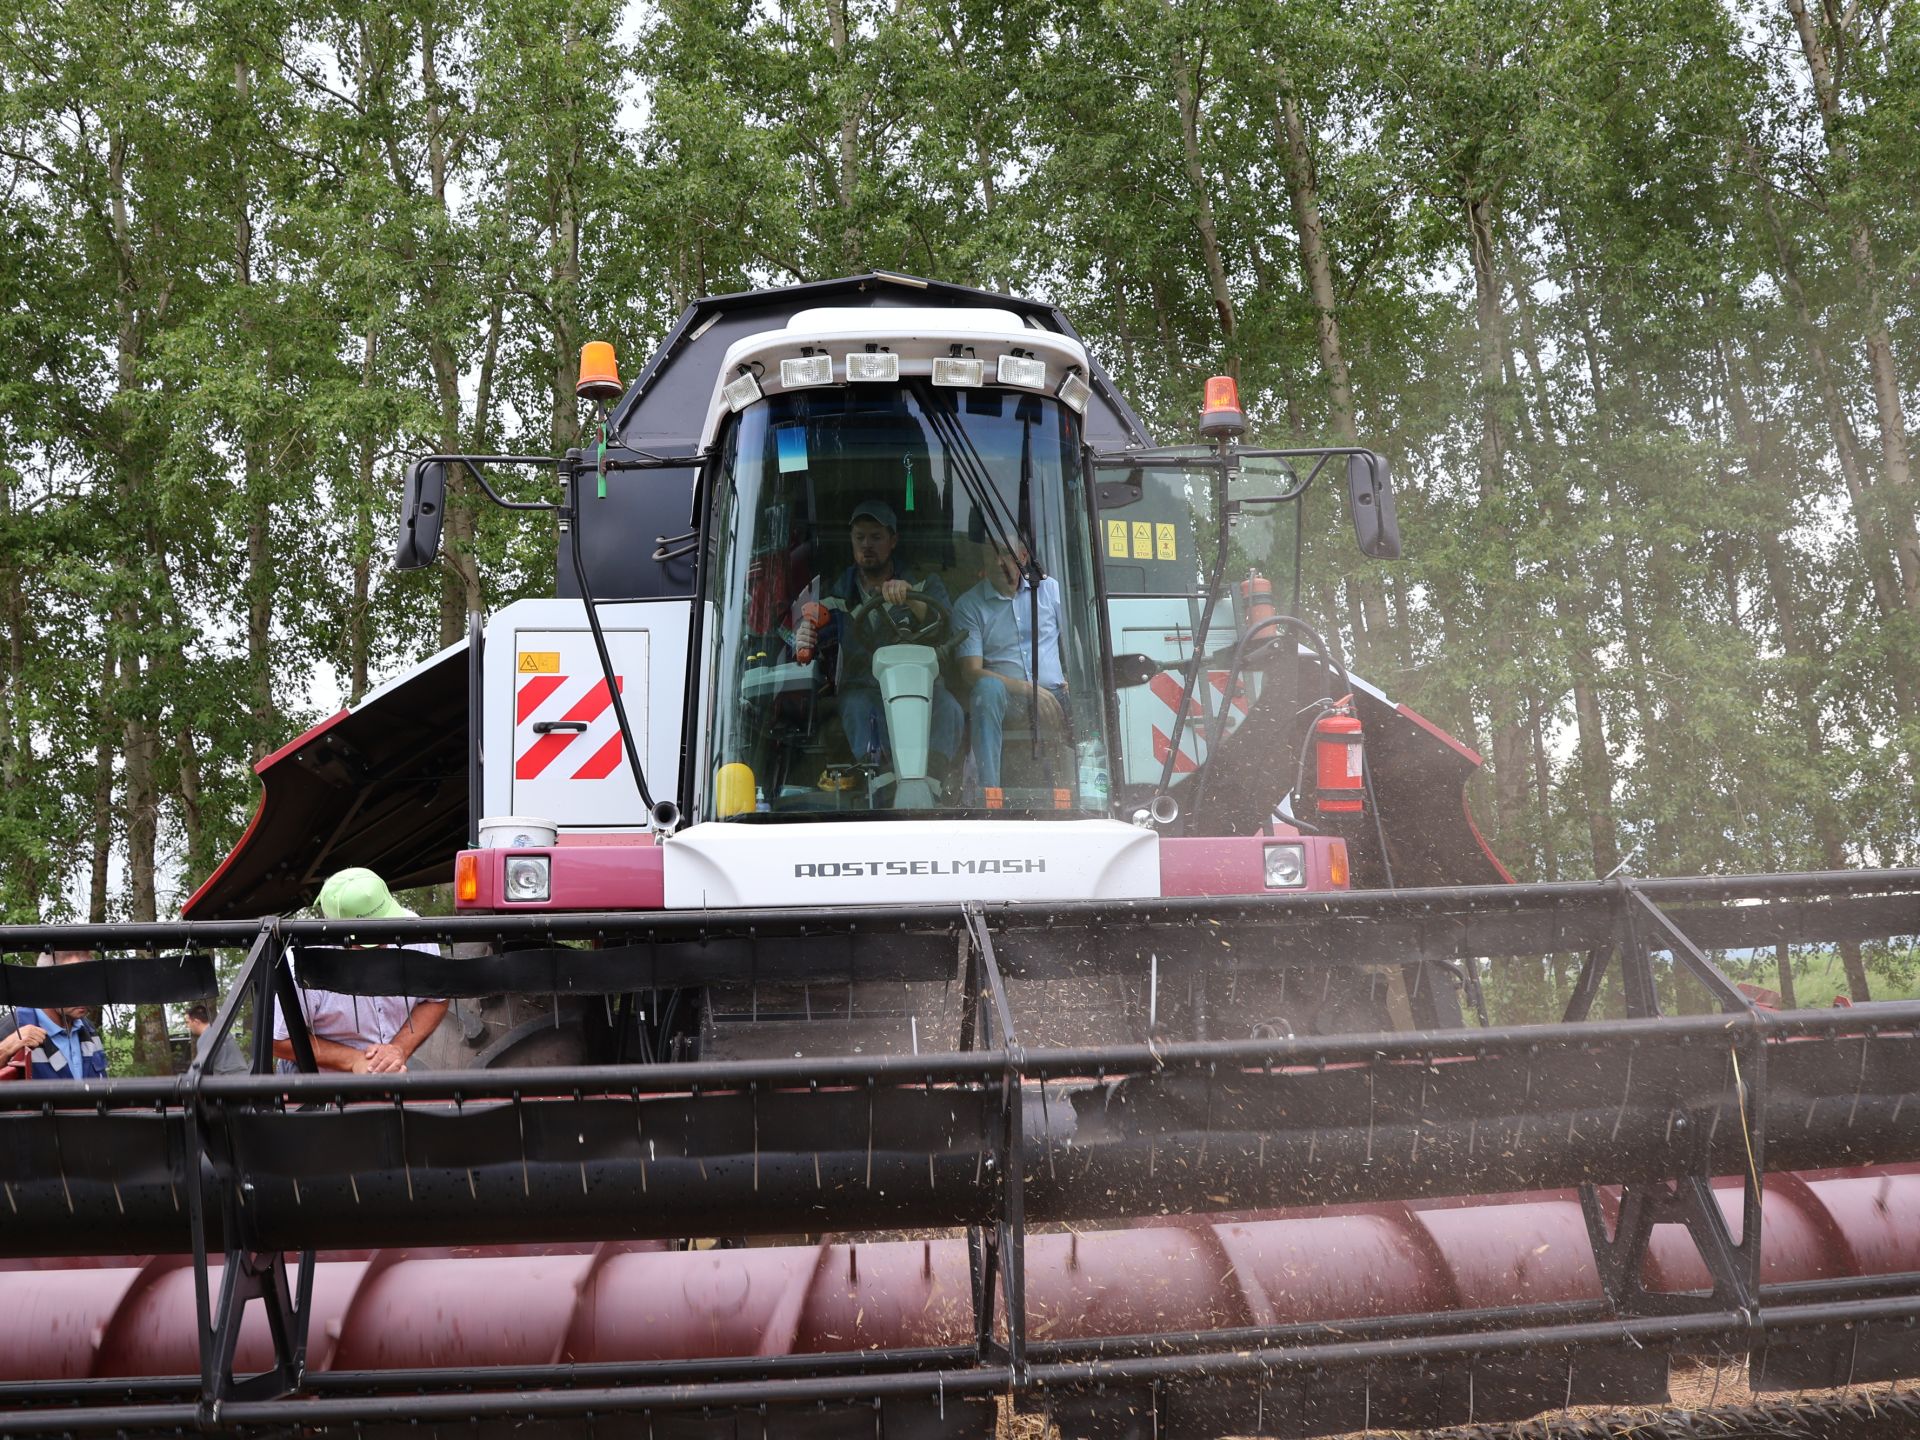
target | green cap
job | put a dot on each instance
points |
(359, 894)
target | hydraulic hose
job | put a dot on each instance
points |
(570, 517)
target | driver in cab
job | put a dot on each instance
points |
(875, 535)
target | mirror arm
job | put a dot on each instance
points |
(473, 464)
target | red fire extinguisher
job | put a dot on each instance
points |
(1340, 776)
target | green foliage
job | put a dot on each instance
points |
(254, 254)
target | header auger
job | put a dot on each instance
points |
(882, 1055)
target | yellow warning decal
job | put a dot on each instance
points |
(1117, 539)
(539, 662)
(1142, 540)
(1165, 542)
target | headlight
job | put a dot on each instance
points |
(1075, 393)
(882, 366)
(527, 877)
(1286, 867)
(958, 370)
(741, 391)
(1023, 370)
(807, 370)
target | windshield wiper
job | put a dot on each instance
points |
(978, 485)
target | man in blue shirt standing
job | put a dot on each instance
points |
(997, 655)
(62, 1044)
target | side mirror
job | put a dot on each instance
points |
(1131, 670)
(1370, 494)
(423, 507)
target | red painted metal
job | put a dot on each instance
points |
(625, 876)
(1235, 864)
(398, 1309)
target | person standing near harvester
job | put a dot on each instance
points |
(361, 1034)
(59, 1042)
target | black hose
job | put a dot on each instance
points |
(1242, 644)
(572, 519)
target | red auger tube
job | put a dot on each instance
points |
(626, 1302)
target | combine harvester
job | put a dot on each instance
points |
(818, 1066)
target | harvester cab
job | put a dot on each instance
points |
(911, 566)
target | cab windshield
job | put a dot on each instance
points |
(903, 611)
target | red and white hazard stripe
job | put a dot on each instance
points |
(538, 699)
(1193, 746)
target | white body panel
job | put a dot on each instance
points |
(887, 862)
(1162, 629)
(541, 665)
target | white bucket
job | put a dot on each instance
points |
(517, 832)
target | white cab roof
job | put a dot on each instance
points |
(916, 334)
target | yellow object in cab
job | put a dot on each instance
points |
(733, 790)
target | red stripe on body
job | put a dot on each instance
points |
(1167, 690)
(1218, 678)
(603, 761)
(544, 751)
(1162, 742)
(534, 694)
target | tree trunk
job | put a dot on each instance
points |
(1895, 459)
(357, 610)
(1783, 963)
(1596, 764)
(1510, 766)
(1633, 634)
(1290, 134)
(1573, 608)
(151, 1055)
(142, 813)
(192, 815)
(1862, 497)
(1371, 625)
(1543, 788)
(461, 593)
(260, 578)
(1122, 319)
(1187, 100)
(102, 819)
(1802, 664)
(849, 176)
(566, 328)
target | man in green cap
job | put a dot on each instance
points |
(363, 1034)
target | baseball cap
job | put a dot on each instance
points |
(876, 510)
(359, 894)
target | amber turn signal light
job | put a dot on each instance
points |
(466, 878)
(599, 374)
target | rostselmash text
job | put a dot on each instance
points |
(848, 869)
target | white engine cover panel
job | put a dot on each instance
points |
(551, 743)
(893, 862)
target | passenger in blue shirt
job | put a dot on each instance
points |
(997, 655)
(62, 1044)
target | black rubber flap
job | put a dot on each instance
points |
(129, 980)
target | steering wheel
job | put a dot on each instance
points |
(874, 612)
